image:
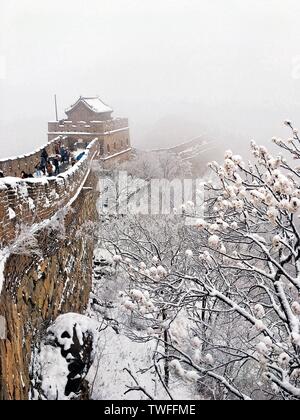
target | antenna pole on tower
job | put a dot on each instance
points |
(56, 112)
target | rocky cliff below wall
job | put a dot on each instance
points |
(54, 278)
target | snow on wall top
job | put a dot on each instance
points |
(38, 150)
(26, 202)
(95, 104)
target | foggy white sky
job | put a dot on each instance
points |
(225, 67)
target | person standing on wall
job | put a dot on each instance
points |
(55, 161)
(49, 168)
(38, 173)
(44, 160)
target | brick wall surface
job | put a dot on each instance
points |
(39, 288)
(31, 201)
(14, 166)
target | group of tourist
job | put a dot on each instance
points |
(51, 165)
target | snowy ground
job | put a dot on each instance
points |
(116, 352)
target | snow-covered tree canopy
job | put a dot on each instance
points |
(222, 299)
(157, 165)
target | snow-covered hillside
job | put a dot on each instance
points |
(115, 362)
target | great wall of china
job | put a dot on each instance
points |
(45, 252)
(30, 201)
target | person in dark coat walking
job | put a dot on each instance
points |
(63, 155)
(44, 154)
(44, 160)
(1, 174)
(55, 161)
(67, 156)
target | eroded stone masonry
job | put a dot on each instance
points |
(46, 246)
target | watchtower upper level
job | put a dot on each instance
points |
(90, 117)
(89, 109)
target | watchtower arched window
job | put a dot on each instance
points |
(108, 148)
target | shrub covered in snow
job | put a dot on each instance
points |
(64, 357)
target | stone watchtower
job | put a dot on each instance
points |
(89, 118)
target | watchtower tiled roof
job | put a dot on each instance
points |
(94, 104)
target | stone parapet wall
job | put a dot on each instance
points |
(32, 201)
(111, 162)
(15, 165)
(116, 124)
(85, 128)
(76, 127)
(40, 287)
